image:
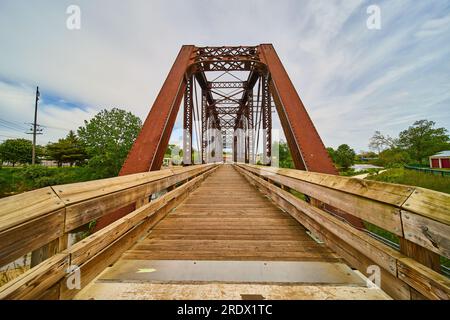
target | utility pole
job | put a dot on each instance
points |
(35, 125)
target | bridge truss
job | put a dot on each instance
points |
(227, 95)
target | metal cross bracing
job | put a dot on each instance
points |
(228, 93)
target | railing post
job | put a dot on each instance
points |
(420, 254)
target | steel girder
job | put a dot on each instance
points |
(305, 144)
(307, 149)
(187, 122)
(148, 150)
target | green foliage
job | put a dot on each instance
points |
(379, 142)
(416, 144)
(422, 140)
(344, 156)
(381, 232)
(67, 150)
(390, 158)
(16, 151)
(37, 176)
(414, 178)
(11, 181)
(285, 158)
(16, 180)
(107, 139)
(332, 154)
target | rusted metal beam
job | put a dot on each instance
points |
(307, 148)
(148, 150)
(187, 122)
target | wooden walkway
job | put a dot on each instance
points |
(228, 219)
(224, 241)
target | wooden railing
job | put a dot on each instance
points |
(43, 219)
(420, 218)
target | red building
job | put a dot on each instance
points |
(440, 160)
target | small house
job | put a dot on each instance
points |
(440, 160)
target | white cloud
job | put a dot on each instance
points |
(352, 80)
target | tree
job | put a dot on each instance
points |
(393, 158)
(345, 156)
(68, 150)
(332, 154)
(379, 142)
(16, 151)
(107, 139)
(285, 158)
(422, 140)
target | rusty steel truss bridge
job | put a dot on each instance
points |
(219, 228)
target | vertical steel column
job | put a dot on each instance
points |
(187, 123)
(204, 125)
(305, 144)
(235, 144)
(266, 120)
(249, 131)
(147, 152)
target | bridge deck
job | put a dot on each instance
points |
(228, 238)
(228, 219)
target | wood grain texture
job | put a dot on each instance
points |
(431, 204)
(30, 235)
(27, 206)
(92, 201)
(430, 234)
(228, 219)
(379, 213)
(419, 279)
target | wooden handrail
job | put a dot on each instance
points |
(33, 219)
(419, 215)
(93, 254)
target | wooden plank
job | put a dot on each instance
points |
(90, 246)
(225, 291)
(383, 255)
(230, 255)
(231, 245)
(18, 209)
(92, 207)
(272, 235)
(30, 235)
(394, 194)
(428, 282)
(392, 285)
(77, 192)
(91, 268)
(37, 280)
(431, 204)
(50, 294)
(430, 234)
(381, 214)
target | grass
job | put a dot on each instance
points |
(14, 269)
(414, 178)
(11, 181)
(21, 179)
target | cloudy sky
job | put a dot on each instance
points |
(352, 80)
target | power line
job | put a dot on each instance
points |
(13, 124)
(56, 128)
(10, 127)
